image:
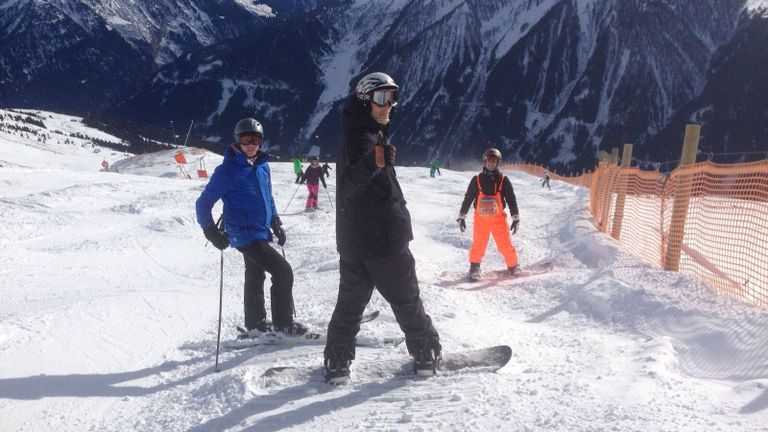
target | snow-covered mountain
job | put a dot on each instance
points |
(35, 139)
(83, 55)
(551, 81)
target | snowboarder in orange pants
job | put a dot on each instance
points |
(491, 192)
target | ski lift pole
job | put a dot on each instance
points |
(293, 306)
(188, 132)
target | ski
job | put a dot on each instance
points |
(304, 212)
(489, 359)
(309, 338)
(269, 339)
(365, 318)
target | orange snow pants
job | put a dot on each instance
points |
(496, 224)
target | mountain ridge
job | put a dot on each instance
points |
(546, 81)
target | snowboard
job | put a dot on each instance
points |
(459, 280)
(309, 338)
(488, 359)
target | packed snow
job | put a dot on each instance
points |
(110, 297)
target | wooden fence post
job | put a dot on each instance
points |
(614, 156)
(621, 192)
(682, 197)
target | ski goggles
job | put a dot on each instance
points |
(384, 97)
(250, 139)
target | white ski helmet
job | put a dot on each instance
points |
(248, 125)
(371, 82)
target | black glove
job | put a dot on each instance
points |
(390, 154)
(462, 223)
(515, 223)
(217, 238)
(278, 231)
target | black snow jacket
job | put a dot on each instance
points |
(489, 181)
(312, 176)
(371, 217)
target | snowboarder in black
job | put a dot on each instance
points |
(326, 168)
(313, 176)
(373, 230)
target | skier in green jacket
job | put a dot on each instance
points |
(297, 169)
(435, 167)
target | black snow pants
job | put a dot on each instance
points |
(395, 278)
(260, 257)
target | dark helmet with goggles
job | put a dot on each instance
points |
(248, 126)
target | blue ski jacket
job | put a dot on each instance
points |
(246, 190)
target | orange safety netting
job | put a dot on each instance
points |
(706, 220)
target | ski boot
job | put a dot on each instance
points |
(427, 360)
(293, 330)
(514, 270)
(474, 272)
(337, 364)
(261, 327)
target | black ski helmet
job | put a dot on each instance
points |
(492, 152)
(248, 125)
(373, 81)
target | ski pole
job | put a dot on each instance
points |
(221, 296)
(289, 201)
(329, 197)
(292, 304)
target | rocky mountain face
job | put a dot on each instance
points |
(733, 105)
(81, 56)
(547, 81)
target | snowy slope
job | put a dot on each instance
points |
(109, 311)
(42, 139)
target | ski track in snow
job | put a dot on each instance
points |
(109, 312)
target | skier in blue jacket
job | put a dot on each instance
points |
(243, 182)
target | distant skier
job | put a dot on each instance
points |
(491, 192)
(297, 168)
(435, 167)
(313, 176)
(373, 230)
(326, 169)
(545, 180)
(243, 182)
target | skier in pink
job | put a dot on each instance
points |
(313, 176)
